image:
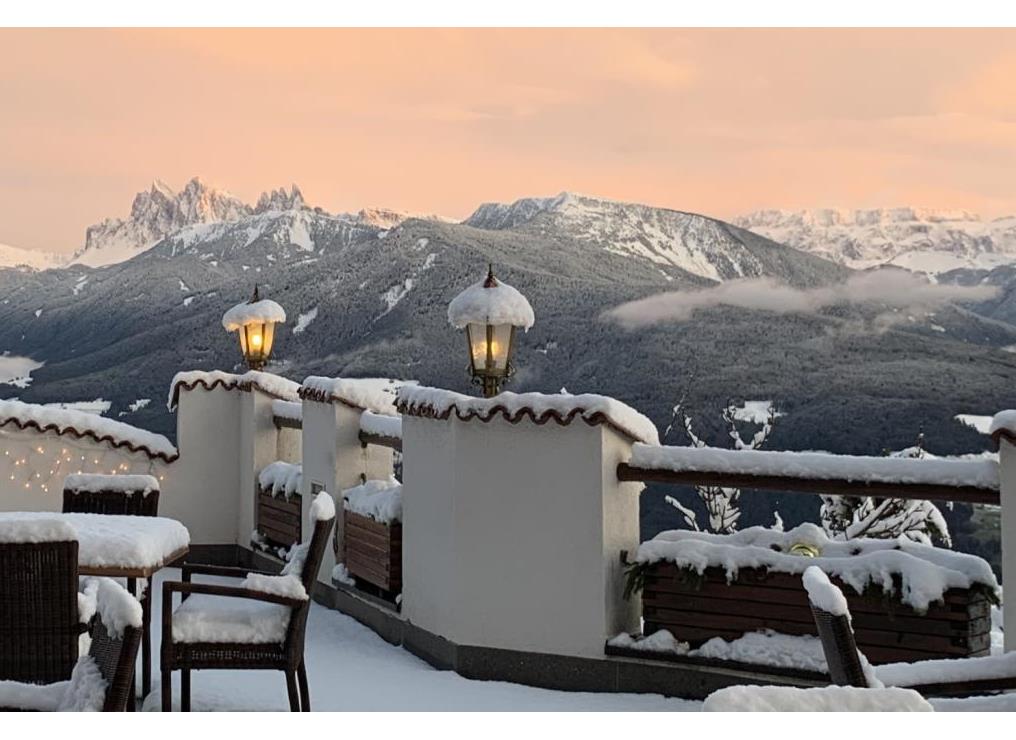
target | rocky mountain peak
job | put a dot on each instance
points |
(281, 200)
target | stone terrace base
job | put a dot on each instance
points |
(617, 673)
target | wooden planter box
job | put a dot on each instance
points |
(372, 551)
(279, 519)
(697, 608)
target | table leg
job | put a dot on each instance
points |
(146, 639)
(132, 699)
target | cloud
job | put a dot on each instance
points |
(893, 289)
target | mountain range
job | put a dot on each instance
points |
(367, 294)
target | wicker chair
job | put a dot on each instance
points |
(954, 677)
(138, 500)
(111, 656)
(39, 622)
(285, 655)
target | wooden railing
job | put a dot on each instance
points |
(960, 486)
(367, 438)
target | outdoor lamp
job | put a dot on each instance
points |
(255, 322)
(490, 311)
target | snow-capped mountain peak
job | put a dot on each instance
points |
(29, 259)
(673, 240)
(921, 239)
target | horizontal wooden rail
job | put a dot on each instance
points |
(285, 422)
(922, 491)
(382, 440)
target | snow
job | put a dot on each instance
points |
(500, 304)
(822, 699)
(61, 420)
(281, 477)
(1003, 421)
(205, 618)
(661, 641)
(116, 607)
(287, 409)
(36, 530)
(188, 300)
(351, 668)
(273, 385)
(421, 400)
(17, 370)
(139, 404)
(85, 691)
(385, 426)
(288, 585)
(108, 540)
(322, 508)
(756, 412)
(823, 594)
(371, 394)
(980, 423)
(768, 648)
(380, 500)
(394, 295)
(98, 407)
(304, 319)
(945, 670)
(94, 483)
(926, 572)
(252, 313)
(818, 466)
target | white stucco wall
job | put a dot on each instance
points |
(1007, 476)
(203, 488)
(33, 466)
(334, 457)
(512, 534)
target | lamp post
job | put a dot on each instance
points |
(490, 311)
(255, 322)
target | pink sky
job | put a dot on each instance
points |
(436, 121)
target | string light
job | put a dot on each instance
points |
(30, 466)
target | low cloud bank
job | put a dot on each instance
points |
(894, 289)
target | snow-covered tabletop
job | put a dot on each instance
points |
(112, 545)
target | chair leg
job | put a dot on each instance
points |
(167, 691)
(294, 698)
(301, 675)
(185, 690)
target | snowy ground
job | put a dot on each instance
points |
(350, 668)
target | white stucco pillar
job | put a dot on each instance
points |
(258, 448)
(513, 533)
(1007, 490)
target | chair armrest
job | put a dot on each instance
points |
(218, 570)
(214, 589)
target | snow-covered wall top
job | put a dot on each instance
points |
(380, 424)
(281, 477)
(80, 424)
(1003, 424)
(36, 530)
(287, 409)
(818, 466)
(563, 408)
(926, 572)
(251, 313)
(380, 500)
(490, 302)
(273, 385)
(98, 482)
(369, 394)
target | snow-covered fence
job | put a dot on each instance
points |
(969, 481)
(1003, 431)
(514, 522)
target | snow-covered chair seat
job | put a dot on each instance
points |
(101, 680)
(259, 624)
(848, 667)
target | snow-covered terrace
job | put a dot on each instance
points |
(560, 468)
